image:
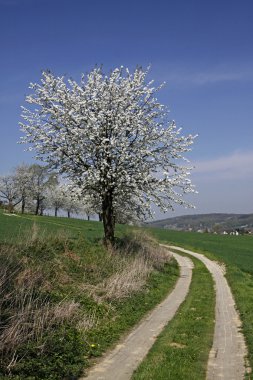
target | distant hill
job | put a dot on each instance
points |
(206, 222)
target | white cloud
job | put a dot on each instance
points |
(183, 76)
(203, 78)
(237, 165)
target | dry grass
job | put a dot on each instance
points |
(127, 280)
(131, 279)
(135, 259)
(143, 245)
(26, 314)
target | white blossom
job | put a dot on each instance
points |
(111, 137)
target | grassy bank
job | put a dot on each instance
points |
(181, 351)
(66, 299)
(237, 253)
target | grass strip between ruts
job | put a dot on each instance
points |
(181, 351)
(237, 254)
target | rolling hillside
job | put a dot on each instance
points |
(206, 221)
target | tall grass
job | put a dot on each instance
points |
(135, 258)
(27, 313)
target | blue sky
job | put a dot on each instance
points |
(202, 49)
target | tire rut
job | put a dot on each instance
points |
(120, 363)
(228, 353)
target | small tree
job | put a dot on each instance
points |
(41, 179)
(87, 206)
(23, 179)
(9, 191)
(70, 201)
(111, 137)
(55, 197)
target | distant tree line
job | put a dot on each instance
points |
(34, 189)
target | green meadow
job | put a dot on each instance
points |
(232, 250)
(14, 226)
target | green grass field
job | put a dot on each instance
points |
(232, 250)
(237, 253)
(13, 227)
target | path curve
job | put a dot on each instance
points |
(120, 363)
(227, 356)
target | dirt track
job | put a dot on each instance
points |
(120, 363)
(227, 356)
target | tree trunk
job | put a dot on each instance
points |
(100, 217)
(107, 208)
(10, 207)
(23, 206)
(88, 217)
(37, 206)
(55, 211)
(68, 214)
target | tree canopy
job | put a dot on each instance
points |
(111, 137)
